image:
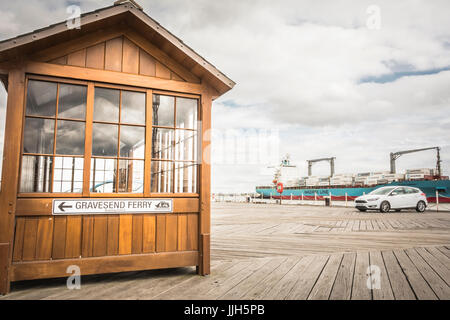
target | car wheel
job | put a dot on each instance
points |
(362, 210)
(385, 207)
(421, 206)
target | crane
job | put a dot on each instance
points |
(396, 155)
(311, 162)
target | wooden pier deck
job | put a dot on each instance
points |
(291, 252)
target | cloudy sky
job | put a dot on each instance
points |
(325, 78)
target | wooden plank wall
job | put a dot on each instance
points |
(119, 54)
(65, 237)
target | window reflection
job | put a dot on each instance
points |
(41, 170)
(187, 113)
(162, 177)
(126, 139)
(104, 139)
(162, 147)
(186, 145)
(103, 175)
(38, 136)
(106, 105)
(132, 142)
(72, 101)
(133, 107)
(41, 98)
(185, 177)
(36, 174)
(70, 137)
(163, 111)
(68, 175)
(131, 176)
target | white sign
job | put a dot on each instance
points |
(111, 206)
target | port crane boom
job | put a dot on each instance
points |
(311, 162)
(396, 155)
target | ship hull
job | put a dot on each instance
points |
(350, 193)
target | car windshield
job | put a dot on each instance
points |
(381, 191)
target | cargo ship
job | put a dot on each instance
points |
(347, 187)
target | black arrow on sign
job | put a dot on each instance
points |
(62, 207)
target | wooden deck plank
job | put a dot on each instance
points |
(445, 251)
(342, 289)
(381, 290)
(193, 286)
(399, 283)
(440, 288)
(235, 279)
(240, 290)
(441, 269)
(285, 285)
(324, 284)
(440, 256)
(266, 284)
(308, 279)
(360, 290)
(421, 288)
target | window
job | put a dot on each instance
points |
(411, 190)
(118, 141)
(53, 138)
(174, 145)
(398, 191)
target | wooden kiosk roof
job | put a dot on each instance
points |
(122, 15)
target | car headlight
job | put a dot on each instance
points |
(372, 199)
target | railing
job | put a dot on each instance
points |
(442, 202)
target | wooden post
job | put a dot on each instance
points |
(205, 188)
(346, 199)
(437, 201)
(330, 199)
(10, 175)
(291, 196)
(315, 197)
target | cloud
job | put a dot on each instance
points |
(300, 67)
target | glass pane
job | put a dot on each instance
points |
(162, 173)
(162, 147)
(185, 177)
(106, 105)
(68, 175)
(41, 98)
(163, 110)
(133, 107)
(132, 142)
(131, 176)
(72, 101)
(103, 175)
(187, 113)
(104, 139)
(36, 174)
(38, 136)
(186, 145)
(70, 137)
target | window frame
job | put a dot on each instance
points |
(197, 130)
(86, 192)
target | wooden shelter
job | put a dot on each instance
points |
(106, 163)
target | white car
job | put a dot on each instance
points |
(395, 197)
